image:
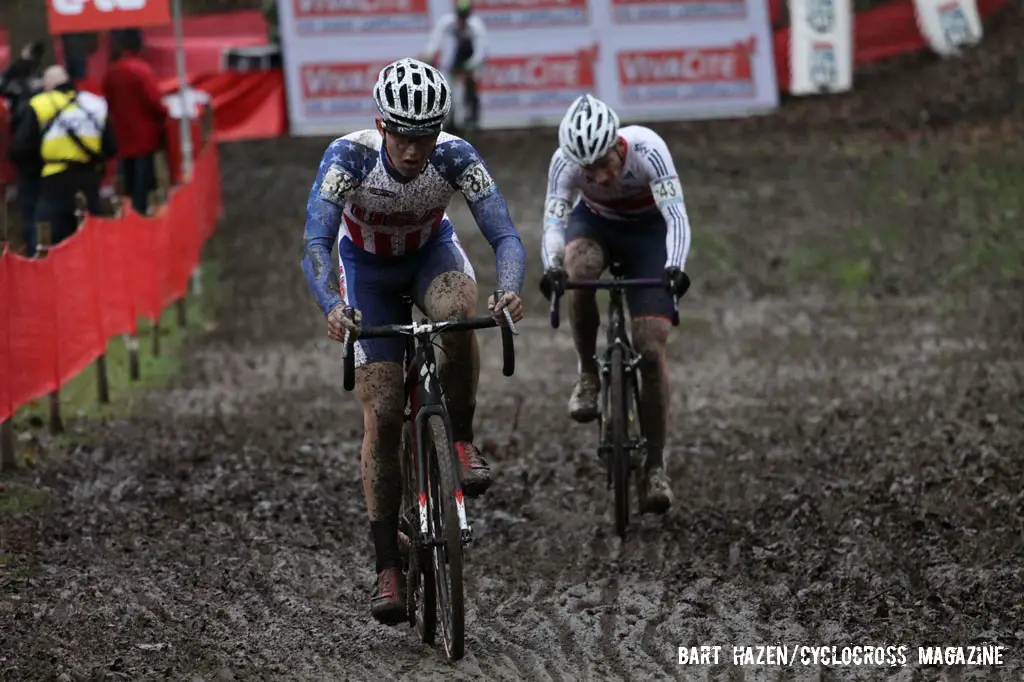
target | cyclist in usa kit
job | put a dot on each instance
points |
(630, 210)
(381, 195)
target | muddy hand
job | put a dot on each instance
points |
(509, 302)
(338, 322)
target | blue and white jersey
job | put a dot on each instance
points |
(360, 197)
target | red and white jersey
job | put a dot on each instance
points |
(386, 213)
(648, 185)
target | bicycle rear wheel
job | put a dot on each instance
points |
(619, 464)
(444, 481)
(421, 593)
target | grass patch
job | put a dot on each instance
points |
(80, 398)
(932, 221)
(17, 499)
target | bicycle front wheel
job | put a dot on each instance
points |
(447, 555)
(421, 594)
(618, 464)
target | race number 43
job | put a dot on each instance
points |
(73, 7)
(667, 190)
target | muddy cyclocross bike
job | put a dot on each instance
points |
(433, 516)
(621, 440)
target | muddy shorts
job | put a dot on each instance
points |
(375, 284)
(638, 245)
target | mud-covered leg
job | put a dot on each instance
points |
(379, 389)
(452, 295)
(650, 334)
(584, 259)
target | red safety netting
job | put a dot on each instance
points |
(58, 312)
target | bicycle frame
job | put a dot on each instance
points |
(424, 396)
(618, 337)
(618, 446)
(443, 529)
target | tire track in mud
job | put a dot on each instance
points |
(811, 442)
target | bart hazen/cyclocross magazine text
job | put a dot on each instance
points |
(886, 655)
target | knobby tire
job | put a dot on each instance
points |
(619, 465)
(446, 517)
(421, 592)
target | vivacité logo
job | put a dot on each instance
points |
(536, 81)
(333, 89)
(82, 16)
(337, 17)
(699, 73)
(659, 11)
(499, 14)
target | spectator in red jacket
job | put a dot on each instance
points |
(138, 115)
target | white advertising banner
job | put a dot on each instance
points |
(948, 25)
(821, 46)
(658, 59)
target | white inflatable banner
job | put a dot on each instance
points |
(658, 59)
(821, 46)
(948, 25)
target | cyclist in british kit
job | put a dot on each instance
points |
(630, 210)
(461, 37)
(381, 194)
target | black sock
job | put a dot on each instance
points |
(462, 422)
(655, 458)
(385, 543)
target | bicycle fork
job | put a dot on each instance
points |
(420, 426)
(630, 371)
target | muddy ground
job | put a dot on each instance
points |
(846, 441)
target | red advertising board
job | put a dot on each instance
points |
(74, 16)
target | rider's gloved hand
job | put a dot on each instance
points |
(510, 301)
(343, 317)
(676, 281)
(553, 282)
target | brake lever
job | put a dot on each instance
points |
(511, 324)
(349, 312)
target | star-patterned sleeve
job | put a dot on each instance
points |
(343, 166)
(668, 193)
(463, 168)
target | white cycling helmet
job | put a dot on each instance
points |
(588, 130)
(413, 97)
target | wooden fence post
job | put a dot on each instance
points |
(102, 384)
(163, 183)
(45, 232)
(131, 342)
(4, 225)
(153, 199)
(8, 457)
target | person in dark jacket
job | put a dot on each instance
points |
(19, 82)
(138, 115)
(70, 132)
